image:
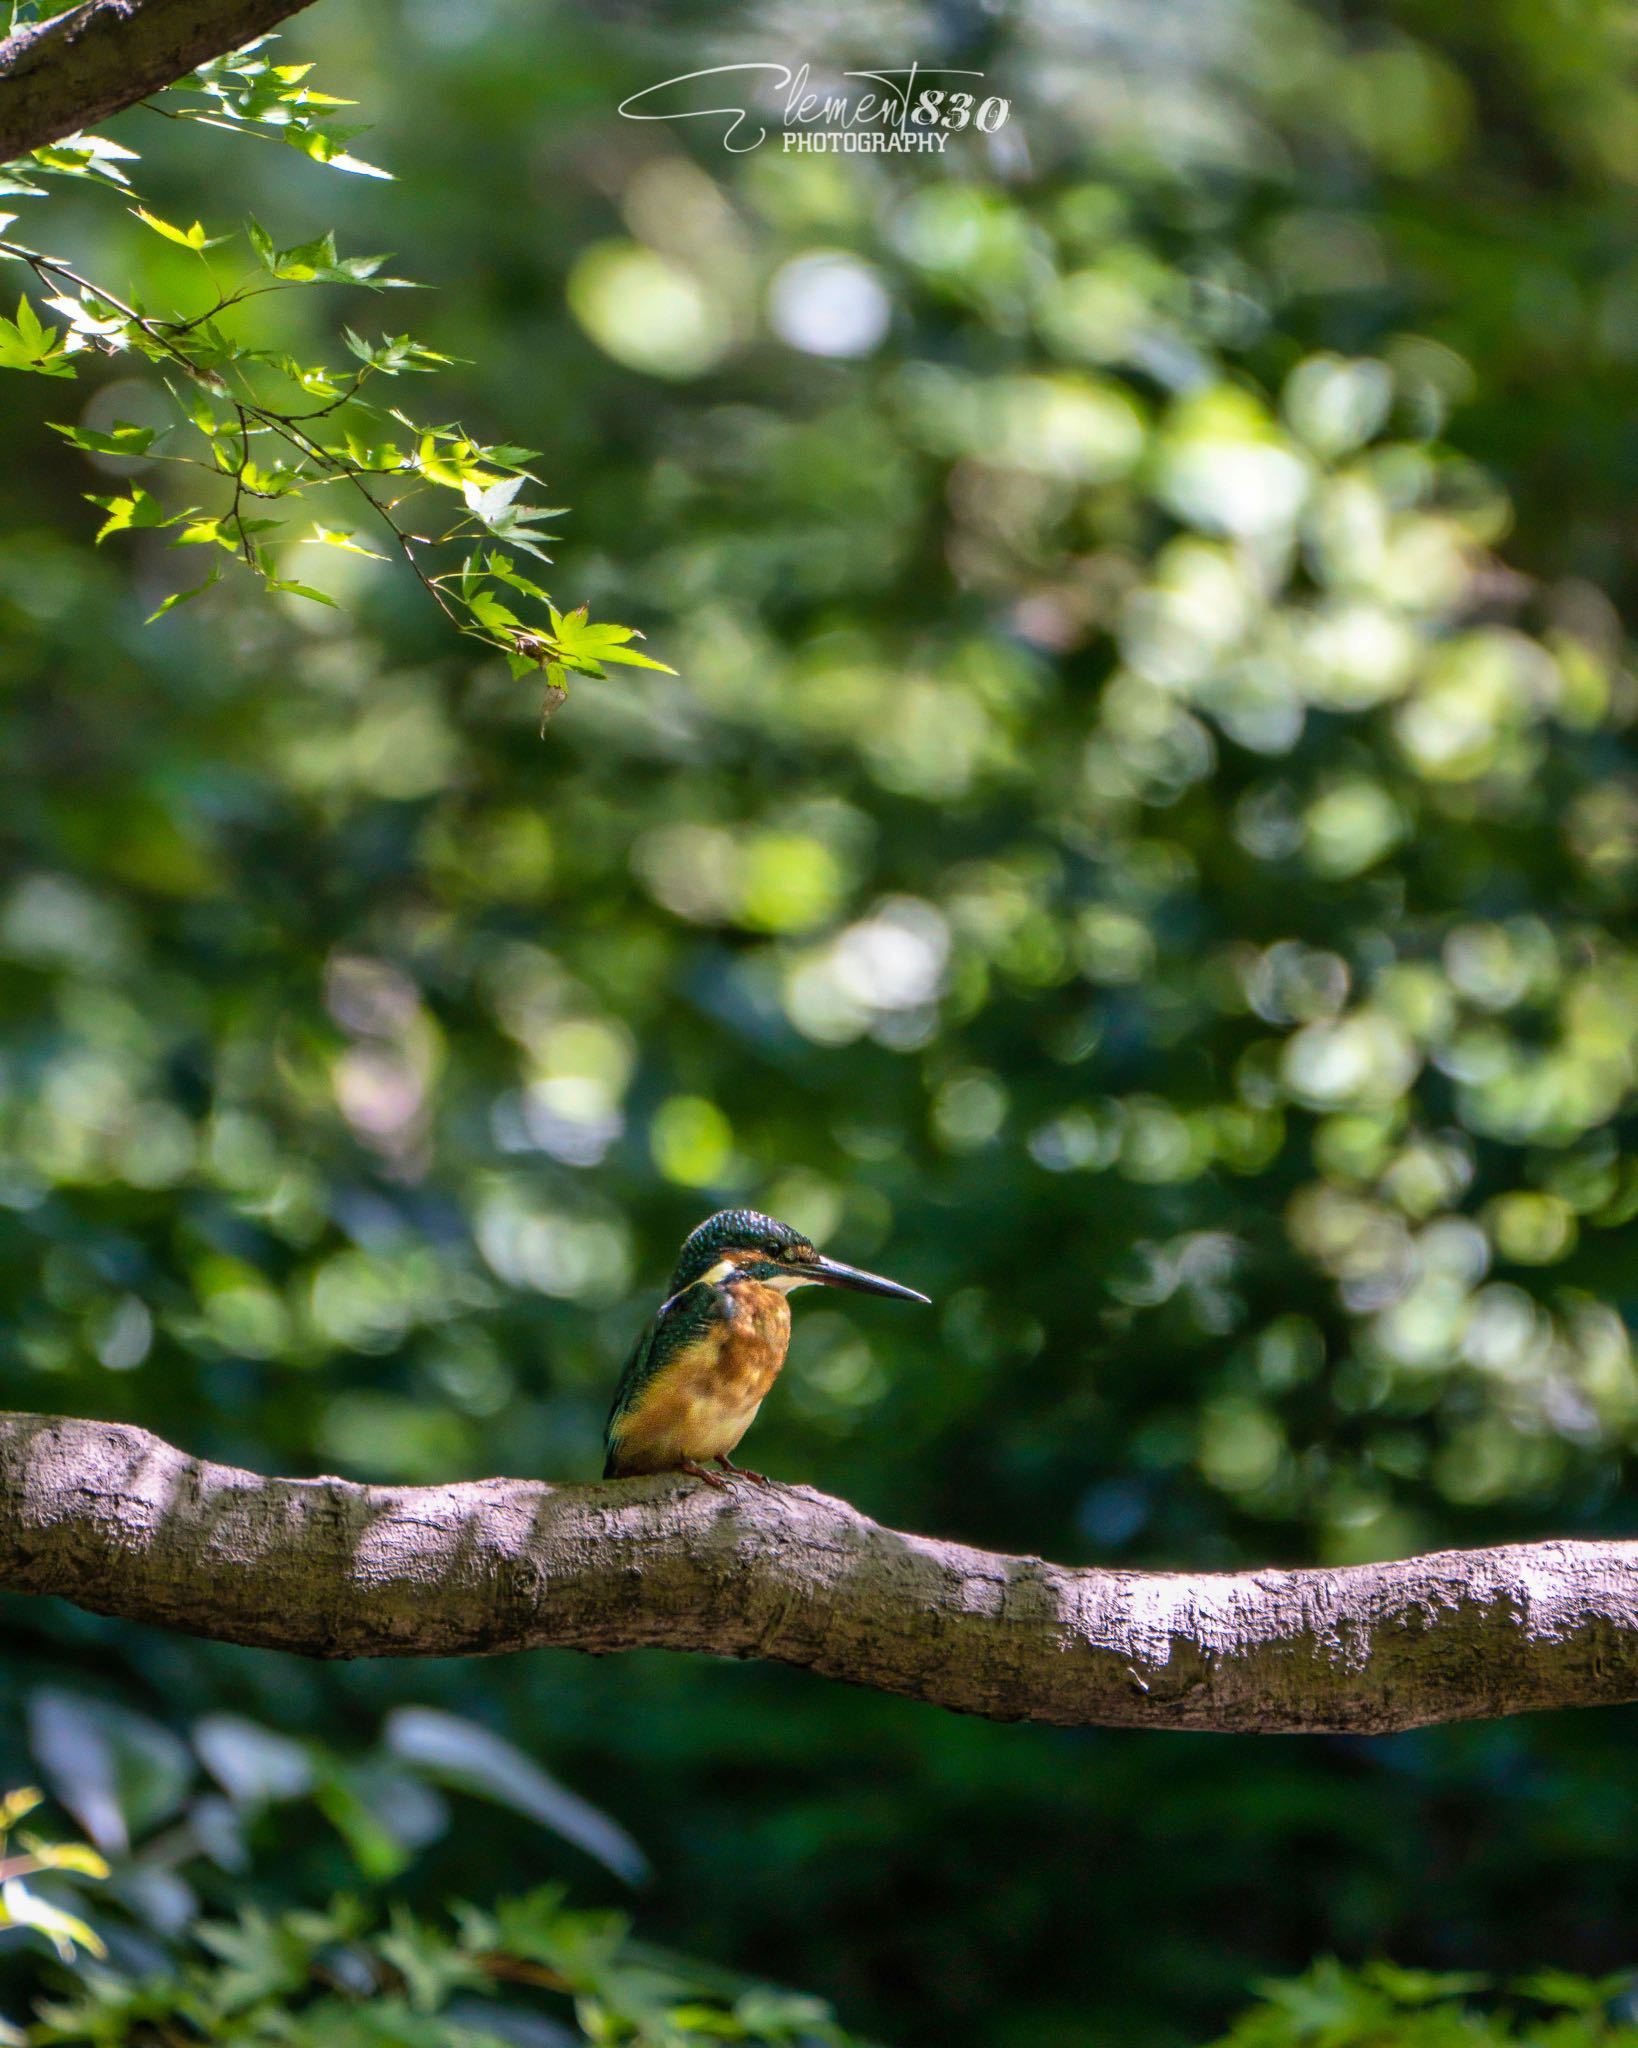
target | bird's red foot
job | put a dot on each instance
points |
(744, 1472)
(696, 1471)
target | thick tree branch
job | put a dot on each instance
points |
(117, 1521)
(65, 74)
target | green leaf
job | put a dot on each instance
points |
(306, 259)
(312, 378)
(327, 149)
(431, 1962)
(586, 646)
(764, 2010)
(203, 532)
(379, 1854)
(79, 1857)
(500, 567)
(470, 1758)
(1577, 1994)
(85, 156)
(630, 658)
(182, 596)
(262, 242)
(118, 1772)
(26, 343)
(90, 317)
(140, 509)
(339, 537)
(19, 1907)
(261, 1958)
(15, 1804)
(394, 354)
(453, 461)
(488, 610)
(302, 590)
(254, 1765)
(364, 454)
(317, 262)
(193, 238)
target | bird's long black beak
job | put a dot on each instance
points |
(834, 1274)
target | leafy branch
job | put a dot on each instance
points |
(361, 1968)
(21, 1906)
(349, 1973)
(280, 451)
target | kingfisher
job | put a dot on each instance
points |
(699, 1372)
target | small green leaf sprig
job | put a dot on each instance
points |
(21, 1905)
(282, 452)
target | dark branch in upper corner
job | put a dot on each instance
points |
(60, 76)
(115, 1520)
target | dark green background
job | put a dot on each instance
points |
(1032, 693)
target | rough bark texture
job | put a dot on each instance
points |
(62, 75)
(117, 1521)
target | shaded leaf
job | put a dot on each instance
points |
(21, 1907)
(470, 1758)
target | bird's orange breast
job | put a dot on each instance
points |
(756, 1336)
(707, 1397)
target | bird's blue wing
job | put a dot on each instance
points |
(668, 1336)
(639, 1370)
(649, 1356)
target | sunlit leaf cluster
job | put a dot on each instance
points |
(271, 451)
(168, 1946)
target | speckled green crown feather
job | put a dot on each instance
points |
(733, 1229)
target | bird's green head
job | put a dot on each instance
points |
(744, 1244)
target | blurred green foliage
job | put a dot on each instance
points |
(359, 1972)
(273, 434)
(1333, 2007)
(1142, 846)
